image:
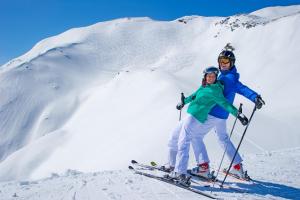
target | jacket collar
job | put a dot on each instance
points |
(231, 71)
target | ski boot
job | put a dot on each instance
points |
(167, 168)
(238, 172)
(203, 171)
(179, 178)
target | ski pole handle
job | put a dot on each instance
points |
(182, 101)
(182, 98)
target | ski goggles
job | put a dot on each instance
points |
(210, 70)
(224, 60)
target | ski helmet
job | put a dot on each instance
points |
(210, 70)
(227, 55)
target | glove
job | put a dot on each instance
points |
(244, 120)
(180, 106)
(259, 102)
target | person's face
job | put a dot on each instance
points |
(210, 78)
(224, 64)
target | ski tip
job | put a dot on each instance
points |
(133, 162)
(153, 163)
(130, 167)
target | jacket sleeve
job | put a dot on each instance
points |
(191, 97)
(222, 101)
(245, 91)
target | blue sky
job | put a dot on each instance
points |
(23, 23)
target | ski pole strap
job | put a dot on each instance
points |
(240, 111)
(254, 109)
(240, 108)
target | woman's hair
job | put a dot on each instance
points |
(204, 83)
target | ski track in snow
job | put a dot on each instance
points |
(278, 181)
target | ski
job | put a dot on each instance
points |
(199, 180)
(148, 167)
(153, 166)
(215, 183)
(170, 181)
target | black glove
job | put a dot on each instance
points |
(259, 102)
(179, 106)
(244, 120)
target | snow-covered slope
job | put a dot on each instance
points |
(95, 97)
(273, 182)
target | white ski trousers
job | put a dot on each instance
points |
(190, 130)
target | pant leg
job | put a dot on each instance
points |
(173, 143)
(184, 139)
(198, 145)
(225, 142)
(189, 131)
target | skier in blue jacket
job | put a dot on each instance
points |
(230, 78)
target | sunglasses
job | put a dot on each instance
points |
(224, 60)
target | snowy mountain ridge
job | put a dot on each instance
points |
(262, 16)
(92, 98)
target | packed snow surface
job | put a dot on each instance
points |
(272, 180)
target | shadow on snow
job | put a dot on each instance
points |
(260, 188)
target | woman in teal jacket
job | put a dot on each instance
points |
(198, 122)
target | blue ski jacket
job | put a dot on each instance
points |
(232, 85)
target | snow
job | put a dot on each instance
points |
(277, 11)
(93, 98)
(273, 182)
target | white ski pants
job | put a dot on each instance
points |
(190, 130)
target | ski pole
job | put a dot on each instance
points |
(240, 111)
(182, 101)
(254, 109)
(180, 115)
